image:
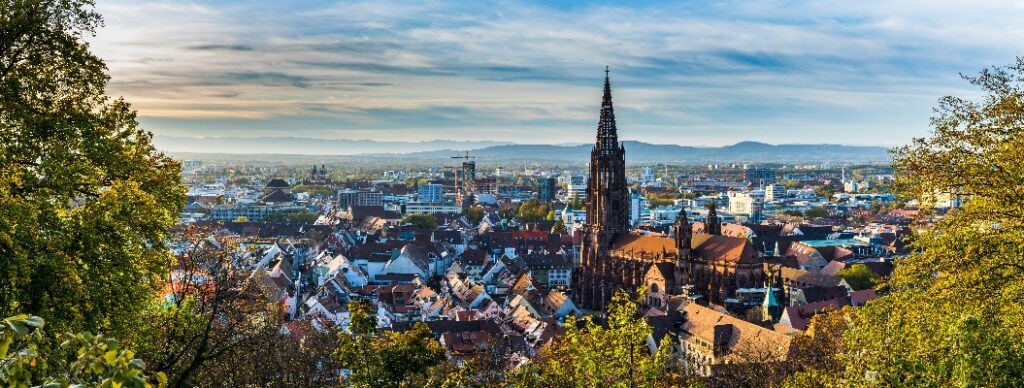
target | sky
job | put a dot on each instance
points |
(702, 73)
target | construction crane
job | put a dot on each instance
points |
(466, 156)
(468, 171)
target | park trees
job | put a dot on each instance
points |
(421, 220)
(591, 355)
(859, 276)
(386, 359)
(97, 360)
(86, 202)
(953, 313)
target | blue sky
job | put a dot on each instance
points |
(696, 73)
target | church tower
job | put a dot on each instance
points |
(607, 208)
(684, 234)
(607, 192)
(714, 225)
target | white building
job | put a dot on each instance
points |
(748, 204)
(774, 192)
(432, 208)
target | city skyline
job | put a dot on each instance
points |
(529, 72)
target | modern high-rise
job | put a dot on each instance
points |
(431, 192)
(548, 189)
(759, 175)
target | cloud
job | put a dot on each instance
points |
(683, 72)
(221, 47)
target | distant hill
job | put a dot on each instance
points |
(307, 146)
(636, 152)
(639, 152)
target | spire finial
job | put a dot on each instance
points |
(607, 138)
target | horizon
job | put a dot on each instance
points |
(510, 142)
(687, 74)
(430, 149)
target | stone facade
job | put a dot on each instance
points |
(705, 265)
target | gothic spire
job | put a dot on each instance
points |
(713, 226)
(607, 134)
(683, 233)
(682, 216)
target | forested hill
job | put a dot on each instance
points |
(636, 152)
(645, 152)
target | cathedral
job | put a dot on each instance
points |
(708, 267)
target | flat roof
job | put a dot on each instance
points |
(835, 243)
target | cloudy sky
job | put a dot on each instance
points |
(696, 73)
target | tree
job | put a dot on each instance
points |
(215, 316)
(816, 211)
(86, 202)
(559, 227)
(858, 276)
(661, 199)
(793, 213)
(792, 184)
(292, 216)
(474, 214)
(98, 361)
(953, 314)
(590, 355)
(577, 202)
(816, 360)
(301, 357)
(533, 210)
(825, 191)
(421, 220)
(487, 367)
(386, 359)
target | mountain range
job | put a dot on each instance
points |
(485, 151)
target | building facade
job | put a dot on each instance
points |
(430, 192)
(548, 189)
(709, 266)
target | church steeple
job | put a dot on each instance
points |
(607, 190)
(683, 234)
(607, 133)
(714, 225)
(607, 207)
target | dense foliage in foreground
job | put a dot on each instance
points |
(87, 206)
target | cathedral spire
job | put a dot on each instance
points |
(683, 233)
(714, 225)
(607, 133)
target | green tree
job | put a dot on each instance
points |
(590, 355)
(859, 276)
(86, 202)
(532, 210)
(576, 202)
(792, 184)
(474, 214)
(953, 315)
(388, 359)
(98, 360)
(825, 191)
(816, 211)
(559, 227)
(421, 220)
(661, 199)
(293, 216)
(215, 316)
